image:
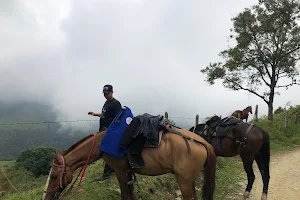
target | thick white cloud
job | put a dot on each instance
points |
(150, 51)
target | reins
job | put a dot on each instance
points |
(83, 168)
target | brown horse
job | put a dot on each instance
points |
(251, 143)
(242, 114)
(170, 156)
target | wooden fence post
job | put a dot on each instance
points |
(256, 113)
(167, 115)
(197, 119)
(286, 113)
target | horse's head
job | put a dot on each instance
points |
(78, 155)
(199, 130)
(250, 109)
(59, 177)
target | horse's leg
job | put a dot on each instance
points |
(121, 176)
(265, 174)
(265, 159)
(187, 188)
(248, 166)
(131, 187)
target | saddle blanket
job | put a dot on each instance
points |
(111, 141)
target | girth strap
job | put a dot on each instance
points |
(249, 128)
(185, 137)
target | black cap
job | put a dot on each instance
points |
(107, 88)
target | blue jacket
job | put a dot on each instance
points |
(111, 141)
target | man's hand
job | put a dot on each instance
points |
(91, 113)
(95, 114)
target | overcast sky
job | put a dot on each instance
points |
(151, 51)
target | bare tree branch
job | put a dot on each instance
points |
(287, 85)
(258, 69)
(289, 52)
(286, 75)
(253, 92)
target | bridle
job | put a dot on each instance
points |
(62, 174)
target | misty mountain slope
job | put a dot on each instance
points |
(15, 138)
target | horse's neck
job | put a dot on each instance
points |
(78, 156)
(246, 111)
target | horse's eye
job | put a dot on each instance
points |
(54, 176)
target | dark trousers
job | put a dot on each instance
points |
(107, 170)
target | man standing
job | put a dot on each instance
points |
(109, 111)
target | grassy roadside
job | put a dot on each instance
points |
(152, 188)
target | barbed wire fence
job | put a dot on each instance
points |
(87, 120)
(173, 118)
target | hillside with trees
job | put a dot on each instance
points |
(18, 133)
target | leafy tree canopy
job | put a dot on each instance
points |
(266, 52)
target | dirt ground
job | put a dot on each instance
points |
(284, 181)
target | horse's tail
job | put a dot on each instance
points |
(209, 174)
(265, 151)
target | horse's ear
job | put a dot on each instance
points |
(58, 153)
(58, 156)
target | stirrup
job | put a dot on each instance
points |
(133, 180)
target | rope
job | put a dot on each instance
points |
(9, 180)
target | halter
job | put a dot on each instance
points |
(62, 173)
(62, 176)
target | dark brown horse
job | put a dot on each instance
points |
(242, 114)
(170, 156)
(251, 142)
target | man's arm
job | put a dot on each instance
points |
(117, 108)
(95, 114)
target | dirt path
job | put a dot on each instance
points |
(285, 178)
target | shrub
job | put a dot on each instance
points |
(37, 161)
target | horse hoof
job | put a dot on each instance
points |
(264, 196)
(246, 194)
(80, 190)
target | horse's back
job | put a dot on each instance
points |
(182, 145)
(236, 112)
(253, 134)
(182, 157)
(172, 153)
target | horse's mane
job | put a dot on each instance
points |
(77, 143)
(197, 127)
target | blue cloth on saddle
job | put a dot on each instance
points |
(111, 140)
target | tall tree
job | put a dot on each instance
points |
(266, 51)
